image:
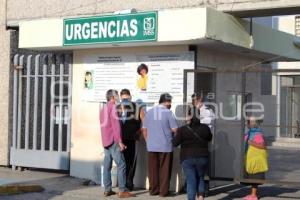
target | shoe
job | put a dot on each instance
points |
(109, 193)
(200, 198)
(250, 197)
(153, 193)
(130, 187)
(125, 194)
(167, 195)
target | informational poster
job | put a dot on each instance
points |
(146, 76)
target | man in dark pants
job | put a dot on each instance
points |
(131, 116)
(158, 128)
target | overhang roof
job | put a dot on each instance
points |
(198, 26)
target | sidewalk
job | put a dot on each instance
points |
(63, 187)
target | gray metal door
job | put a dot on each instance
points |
(41, 111)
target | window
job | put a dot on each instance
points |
(232, 107)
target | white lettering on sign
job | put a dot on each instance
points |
(86, 33)
(111, 31)
(125, 30)
(94, 30)
(77, 32)
(133, 26)
(105, 29)
(118, 28)
(69, 32)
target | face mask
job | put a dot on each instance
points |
(125, 100)
(168, 106)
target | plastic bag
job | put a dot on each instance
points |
(256, 160)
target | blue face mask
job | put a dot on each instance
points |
(125, 101)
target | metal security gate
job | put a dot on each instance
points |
(41, 111)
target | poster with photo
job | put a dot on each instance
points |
(146, 76)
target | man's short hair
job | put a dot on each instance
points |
(111, 93)
(165, 97)
(125, 91)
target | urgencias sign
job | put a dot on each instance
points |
(138, 27)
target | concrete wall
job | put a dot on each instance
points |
(24, 10)
(4, 86)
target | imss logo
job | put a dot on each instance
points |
(149, 26)
(111, 28)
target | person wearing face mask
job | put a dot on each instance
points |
(131, 116)
(158, 128)
(113, 146)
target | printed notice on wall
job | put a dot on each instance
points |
(146, 76)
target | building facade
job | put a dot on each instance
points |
(288, 92)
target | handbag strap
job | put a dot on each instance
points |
(194, 133)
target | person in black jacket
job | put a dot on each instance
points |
(131, 116)
(194, 138)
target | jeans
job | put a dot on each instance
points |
(194, 170)
(110, 154)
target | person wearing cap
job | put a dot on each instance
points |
(199, 108)
(158, 128)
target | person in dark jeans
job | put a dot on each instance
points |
(194, 138)
(130, 115)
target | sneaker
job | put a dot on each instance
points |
(250, 197)
(125, 194)
(109, 193)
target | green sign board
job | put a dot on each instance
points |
(138, 27)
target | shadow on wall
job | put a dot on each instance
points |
(224, 156)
